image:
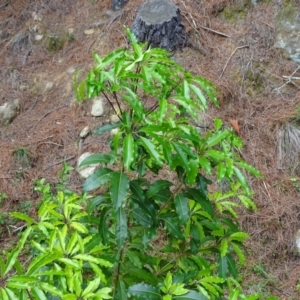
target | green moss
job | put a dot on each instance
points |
(55, 42)
(287, 13)
(237, 10)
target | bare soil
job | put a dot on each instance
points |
(232, 44)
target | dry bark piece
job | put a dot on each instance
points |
(158, 22)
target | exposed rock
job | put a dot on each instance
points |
(38, 37)
(97, 108)
(71, 71)
(85, 171)
(89, 31)
(9, 111)
(114, 119)
(49, 86)
(84, 132)
(288, 32)
(158, 22)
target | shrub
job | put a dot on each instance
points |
(145, 236)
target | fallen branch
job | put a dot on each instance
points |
(289, 79)
(237, 48)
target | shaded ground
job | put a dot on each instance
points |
(238, 56)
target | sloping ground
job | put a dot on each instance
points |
(231, 45)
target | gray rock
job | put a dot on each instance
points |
(288, 32)
(8, 111)
(85, 171)
(71, 71)
(84, 132)
(97, 108)
(49, 86)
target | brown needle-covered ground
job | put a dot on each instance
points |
(231, 44)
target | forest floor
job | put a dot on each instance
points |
(43, 42)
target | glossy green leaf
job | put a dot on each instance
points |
(98, 159)
(173, 227)
(216, 138)
(222, 267)
(92, 286)
(145, 275)
(242, 179)
(134, 258)
(181, 154)
(249, 168)
(162, 109)
(224, 247)
(193, 171)
(129, 152)
(121, 290)
(151, 149)
(12, 295)
(239, 253)
(11, 259)
(119, 186)
(232, 268)
(157, 186)
(142, 217)
(107, 127)
(218, 123)
(200, 95)
(144, 291)
(247, 202)
(50, 289)
(121, 227)
(97, 179)
(182, 208)
(221, 171)
(136, 190)
(205, 164)
(22, 217)
(191, 295)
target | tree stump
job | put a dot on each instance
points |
(158, 22)
(118, 4)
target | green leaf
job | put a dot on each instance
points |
(224, 247)
(191, 295)
(232, 266)
(182, 208)
(141, 274)
(157, 186)
(249, 168)
(12, 295)
(98, 159)
(239, 253)
(247, 202)
(133, 257)
(218, 123)
(198, 196)
(222, 267)
(162, 109)
(121, 227)
(3, 294)
(129, 151)
(136, 190)
(97, 179)
(242, 179)
(181, 154)
(216, 138)
(23, 217)
(92, 286)
(121, 290)
(50, 289)
(119, 186)
(173, 227)
(221, 171)
(151, 149)
(107, 127)
(11, 260)
(205, 164)
(144, 291)
(199, 94)
(239, 236)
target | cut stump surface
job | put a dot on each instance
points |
(158, 22)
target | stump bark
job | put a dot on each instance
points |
(158, 22)
(118, 4)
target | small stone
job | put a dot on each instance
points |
(97, 108)
(38, 37)
(49, 86)
(71, 30)
(114, 119)
(84, 132)
(114, 131)
(297, 240)
(71, 71)
(89, 31)
(85, 171)
(9, 111)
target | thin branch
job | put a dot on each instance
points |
(237, 48)
(289, 79)
(46, 114)
(59, 162)
(110, 103)
(51, 143)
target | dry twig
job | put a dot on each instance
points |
(237, 48)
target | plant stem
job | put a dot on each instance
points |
(110, 103)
